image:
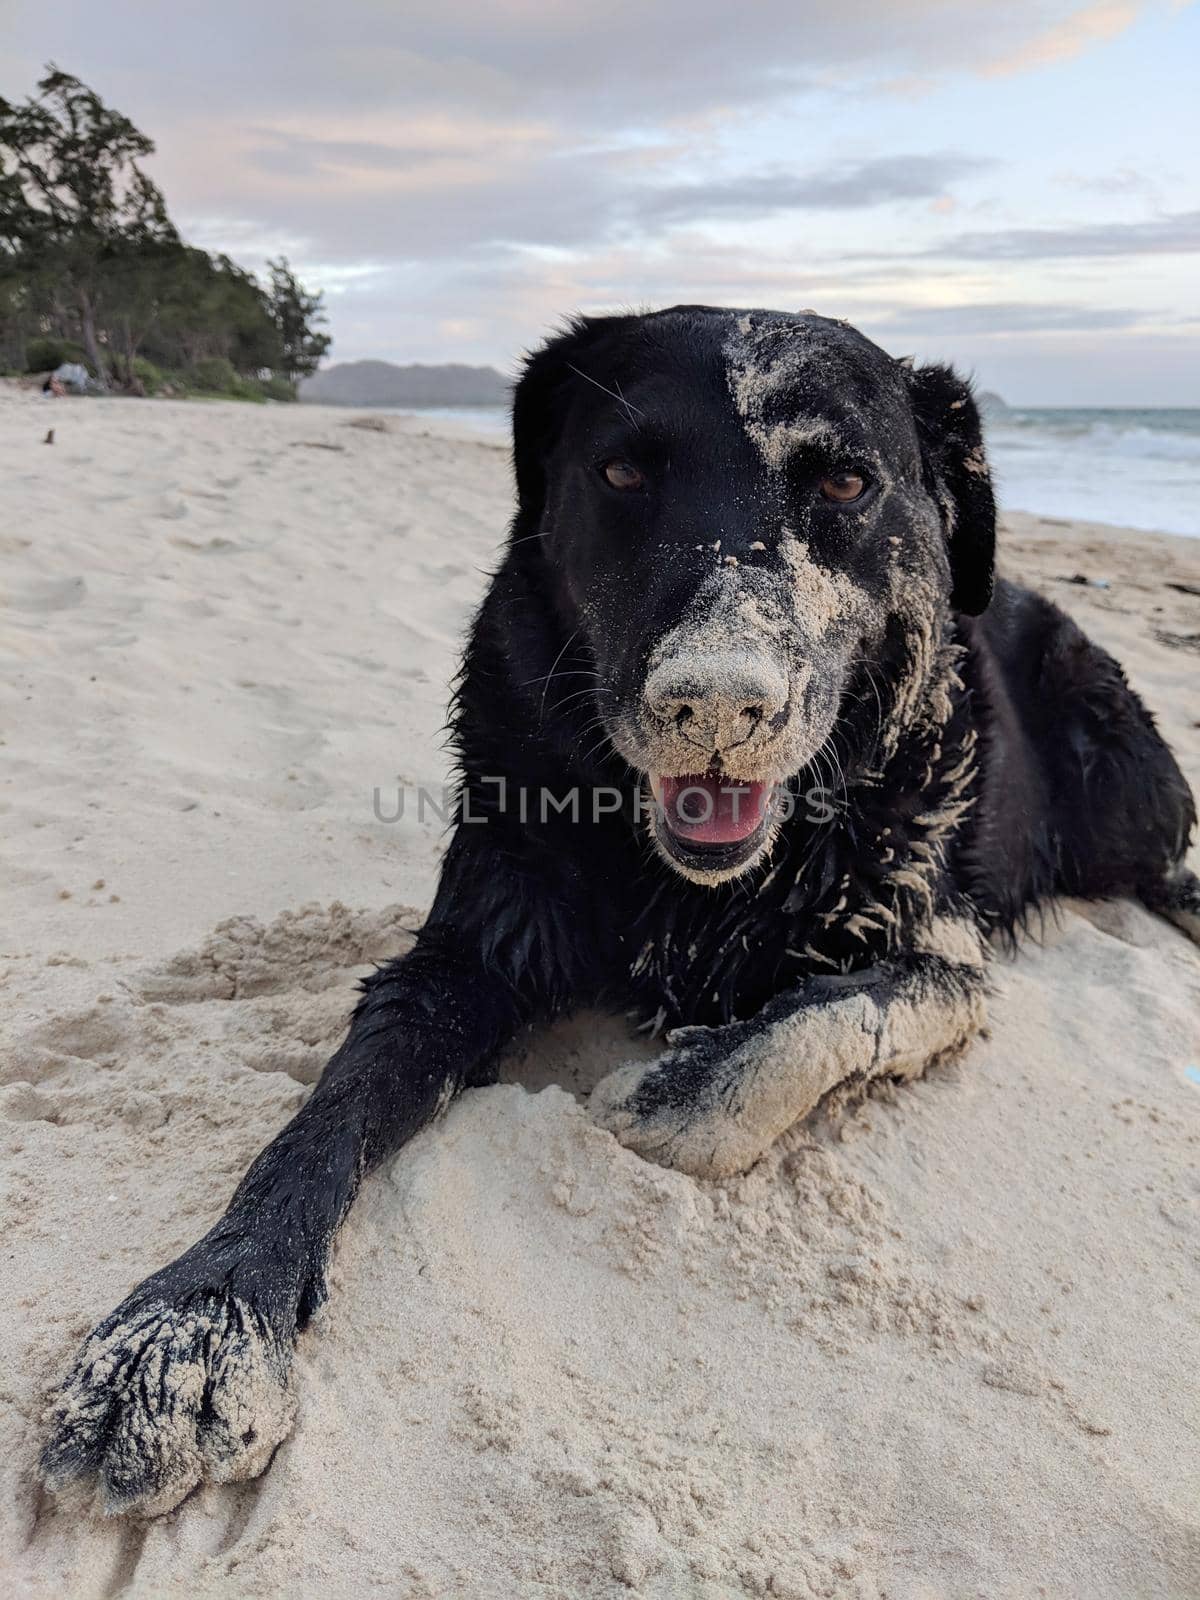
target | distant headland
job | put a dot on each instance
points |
(382, 383)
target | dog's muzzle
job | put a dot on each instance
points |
(710, 716)
(714, 704)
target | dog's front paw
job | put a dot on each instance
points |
(687, 1109)
(163, 1396)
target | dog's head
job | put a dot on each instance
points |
(745, 513)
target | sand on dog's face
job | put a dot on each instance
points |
(732, 573)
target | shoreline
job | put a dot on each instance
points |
(1011, 446)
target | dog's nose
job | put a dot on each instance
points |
(716, 700)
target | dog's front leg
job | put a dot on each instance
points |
(189, 1378)
(717, 1099)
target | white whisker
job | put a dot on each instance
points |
(627, 405)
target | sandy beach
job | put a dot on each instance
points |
(945, 1346)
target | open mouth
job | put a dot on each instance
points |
(710, 823)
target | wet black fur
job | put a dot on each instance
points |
(1073, 792)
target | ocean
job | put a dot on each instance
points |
(1137, 468)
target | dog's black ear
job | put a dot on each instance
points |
(536, 408)
(539, 401)
(951, 438)
(550, 376)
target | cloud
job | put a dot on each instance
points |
(1171, 235)
(418, 199)
(846, 186)
(1001, 319)
(1121, 181)
(400, 208)
(412, 146)
(457, 175)
(1063, 41)
(591, 62)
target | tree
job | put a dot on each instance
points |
(76, 209)
(296, 314)
(89, 257)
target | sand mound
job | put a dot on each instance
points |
(937, 1347)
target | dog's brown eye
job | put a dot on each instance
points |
(843, 487)
(623, 475)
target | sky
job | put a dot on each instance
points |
(1010, 186)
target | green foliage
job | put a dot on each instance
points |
(277, 387)
(43, 355)
(147, 378)
(296, 315)
(217, 375)
(213, 374)
(90, 259)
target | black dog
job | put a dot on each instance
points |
(755, 749)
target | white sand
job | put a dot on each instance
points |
(947, 1348)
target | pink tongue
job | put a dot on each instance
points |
(712, 810)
